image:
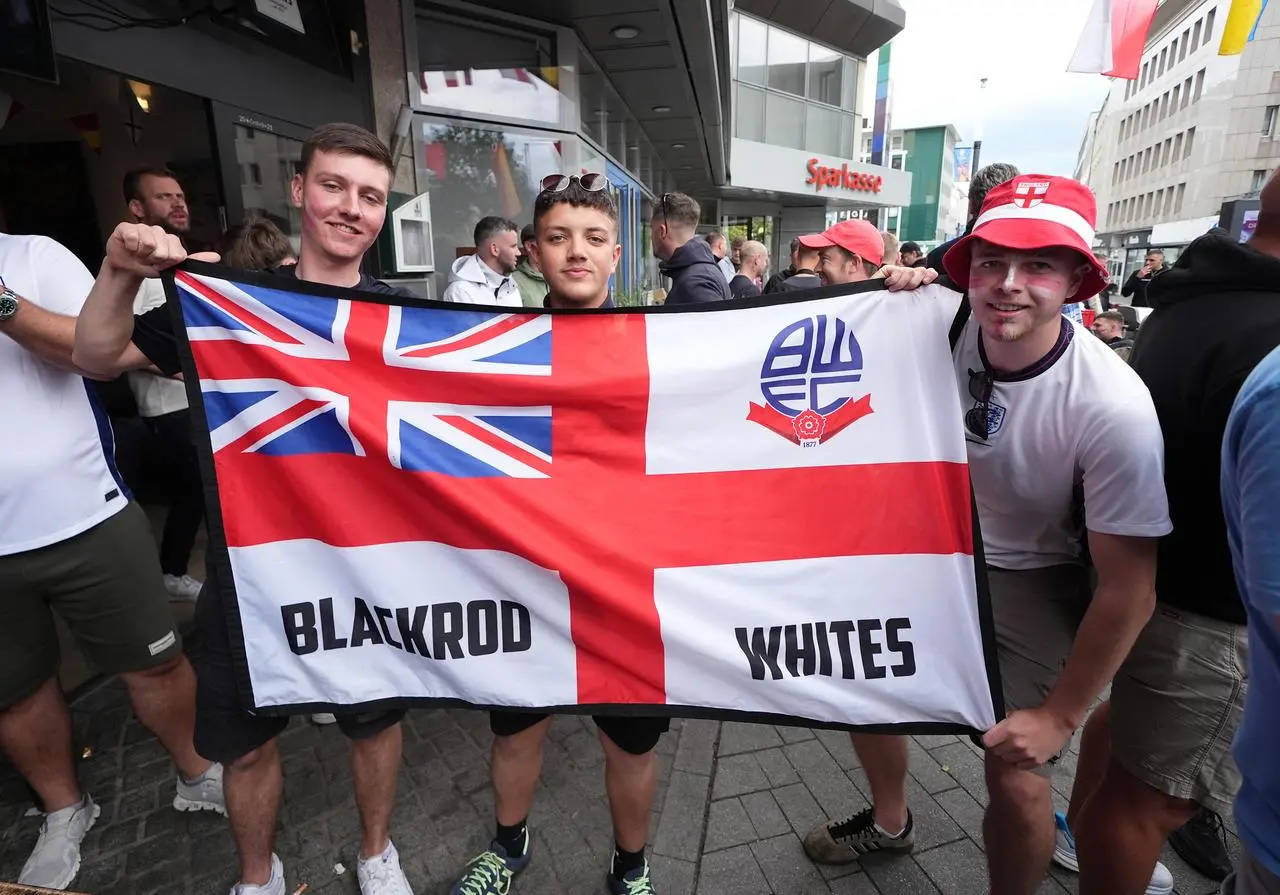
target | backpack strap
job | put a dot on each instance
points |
(961, 318)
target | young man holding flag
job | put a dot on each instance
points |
(341, 190)
(1060, 432)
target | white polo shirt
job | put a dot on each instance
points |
(1073, 440)
(57, 455)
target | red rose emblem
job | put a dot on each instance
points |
(809, 425)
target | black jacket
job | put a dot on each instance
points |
(1217, 314)
(1139, 287)
(774, 283)
(695, 275)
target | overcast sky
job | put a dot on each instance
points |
(1035, 111)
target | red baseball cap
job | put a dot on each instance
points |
(856, 236)
(1035, 211)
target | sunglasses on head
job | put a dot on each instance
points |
(978, 419)
(558, 183)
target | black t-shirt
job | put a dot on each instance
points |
(743, 287)
(153, 331)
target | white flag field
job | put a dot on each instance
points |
(758, 511)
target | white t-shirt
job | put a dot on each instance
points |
(155, 395)
(57, 457)
(1081, 426)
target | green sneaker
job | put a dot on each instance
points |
(491, 871)
(634, 882)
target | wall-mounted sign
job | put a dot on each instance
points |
(842, 178)
(285, 12)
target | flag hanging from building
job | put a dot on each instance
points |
(756, 511)
(1114, 37)
(1241, 26)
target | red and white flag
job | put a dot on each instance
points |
(755, 512)
(1114, 37)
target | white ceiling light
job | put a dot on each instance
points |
(662, 110)
(626, 32)
(677, 146)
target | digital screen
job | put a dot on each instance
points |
(26, 43)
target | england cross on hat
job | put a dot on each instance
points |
(1035, 211)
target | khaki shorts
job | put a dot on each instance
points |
(106, 585)
(1176, 704)
(1036, 614)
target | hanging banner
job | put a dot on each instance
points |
(757, 511)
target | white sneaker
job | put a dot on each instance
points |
(324, 719)
(182, 588)
(1064, 855)
(273, 886)
(204, 794)
(55, 860)
(382, 875)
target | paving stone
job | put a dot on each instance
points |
(793, 734)
(732, 870)
(899, 875)
(926, 770)
(964, 810)
(766, 817)
(672, 876)
(965, 765)
(934, 826)
(776, 767)
(798, 804)
(958, 867)
(696, 751)
(680, 830)
(728, 825)
(736, 737)
(853, 884)
(786, 867)
(738, 774)
(837, 743)
(829, 784)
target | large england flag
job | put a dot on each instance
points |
(760, 510)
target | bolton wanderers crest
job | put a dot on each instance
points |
(810, 382)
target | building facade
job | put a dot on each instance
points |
(937, 208)
(1194, 130)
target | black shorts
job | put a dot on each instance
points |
(636, 736)
(225, 729)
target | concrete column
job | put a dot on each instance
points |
(390, 76)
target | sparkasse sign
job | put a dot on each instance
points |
(821, 176)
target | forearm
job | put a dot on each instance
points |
(105, 326)
(1116, 615)
(47, 335)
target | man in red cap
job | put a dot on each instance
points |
(851, 252)
(1058, 428)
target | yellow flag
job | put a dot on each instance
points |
(1241, 21)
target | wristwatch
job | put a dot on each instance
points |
(8, 303)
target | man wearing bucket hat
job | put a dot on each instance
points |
(1057, 427)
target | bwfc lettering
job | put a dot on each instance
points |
(456, 630)
(842, 178)
(806, 649)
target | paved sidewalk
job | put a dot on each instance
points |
(733, 800)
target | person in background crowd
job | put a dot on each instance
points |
(577, 247)
(987, 179)
(774, 283)
(1161, 750)
(1109, 327)
(806, 276)
(257, 244)
(1045, 410)
(755, 261)
(1108, 293)
(155, 198)
(686, 259)
(1135, 288)
(1251, 501)
(72, 541)
(910, 255)
(849, 252)
(485, 277)
(341, 189)
(891, 253)
(529, 279)
(720, 248)
(735, 251)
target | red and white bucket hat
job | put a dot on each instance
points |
(1035, 211)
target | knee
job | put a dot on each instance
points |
(255, 759)
(1121, 793)
(627, 763)
(1019, 795)
(523, 746)
(155, 672)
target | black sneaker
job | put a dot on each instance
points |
(845, 841)
(1202, 843)
(491, 871)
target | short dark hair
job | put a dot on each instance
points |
(529, 233)
(255, 244)
(677, 208)
(910, 247)
(133, 180)
(714, 236)
(986, 180)
(488, 228)
(576, 197)
(1155, 252)
(795, 244)
(345, 139)
(1111, 315)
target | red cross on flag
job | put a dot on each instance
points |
(758, 511)
(1029, 194)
